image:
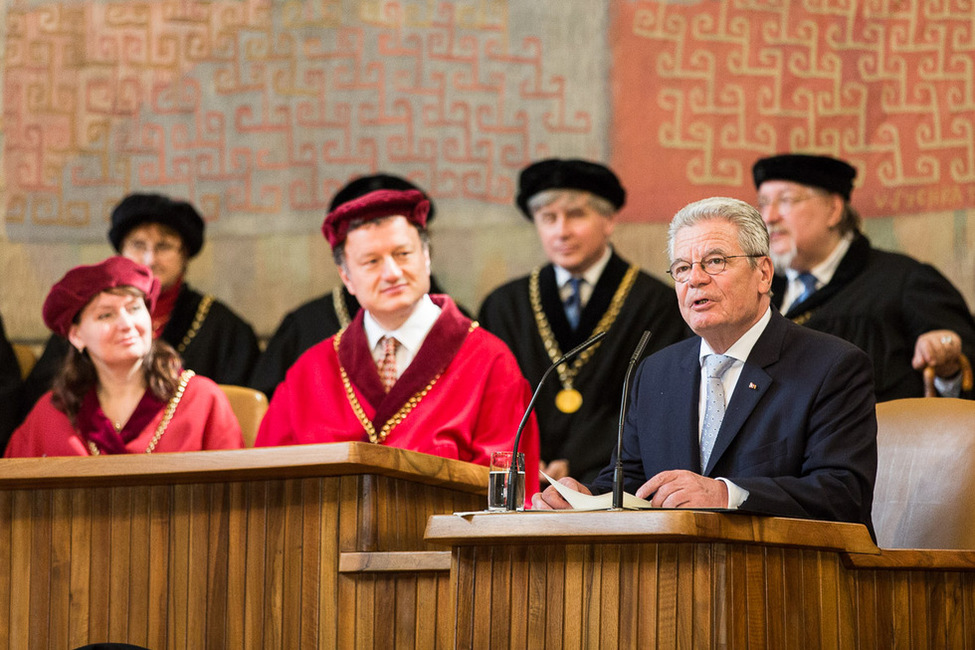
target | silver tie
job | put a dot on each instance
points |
(715, 366)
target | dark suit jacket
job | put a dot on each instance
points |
(800, 431)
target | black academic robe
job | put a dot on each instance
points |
(587, 437)
(311, 323)
(222, 347)
(10, 389)
(881, 302)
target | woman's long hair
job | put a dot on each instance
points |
(160, 367)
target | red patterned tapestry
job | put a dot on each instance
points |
(704, 88)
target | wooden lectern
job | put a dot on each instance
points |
(697, 579)
(312, 546)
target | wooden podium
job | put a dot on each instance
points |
(697, 579)
(312, 546)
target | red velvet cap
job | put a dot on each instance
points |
(411, 204)
(82, 283)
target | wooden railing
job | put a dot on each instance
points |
(316, 546)
(668, 579)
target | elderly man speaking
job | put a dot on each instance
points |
(754, 412)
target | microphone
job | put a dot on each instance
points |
(509, 497)
(618, 475)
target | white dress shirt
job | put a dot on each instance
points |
(589, 279)
(823, 272)
(739, 350)
(410, 334)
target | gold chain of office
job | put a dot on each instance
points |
(201, 315)
(399, 416)
(569, 400)
(184, 379)
(338, 302)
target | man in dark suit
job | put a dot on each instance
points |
(785, 425)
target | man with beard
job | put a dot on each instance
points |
(904, 314)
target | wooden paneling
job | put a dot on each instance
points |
(668, 579)
(205, 556)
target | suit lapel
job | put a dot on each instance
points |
(685, 411)
(752, 384)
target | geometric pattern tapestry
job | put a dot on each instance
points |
(703, 89)
(257, 111)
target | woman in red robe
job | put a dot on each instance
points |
(119, 391)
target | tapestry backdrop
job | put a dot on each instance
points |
(258, 111)
(703, 89)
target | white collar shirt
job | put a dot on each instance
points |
(589, 278)
(823, 273)
(410, 334)
(739, 350)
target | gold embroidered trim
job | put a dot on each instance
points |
(399, 416)
(338, 303)
(201, 315)
(802, 319)
(167, 416)
(568, 372)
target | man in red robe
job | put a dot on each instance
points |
(410, 370)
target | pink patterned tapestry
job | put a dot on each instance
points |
(704, 88)
(257, 111)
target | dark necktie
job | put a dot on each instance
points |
(808, 281)
(573, 304)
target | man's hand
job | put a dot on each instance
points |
(550, 499)
(680, 488)
(557, 469)
(940, 349)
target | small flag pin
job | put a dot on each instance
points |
(752, 385)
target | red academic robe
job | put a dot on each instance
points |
(467, 395)
(202, 420)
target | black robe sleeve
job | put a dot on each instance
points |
(223, 347)
(10, 389)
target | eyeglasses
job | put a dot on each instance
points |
(785, 203)
(158, 250)
(712, 265)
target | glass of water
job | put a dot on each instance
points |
(498, 481)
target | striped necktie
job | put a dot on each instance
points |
(387, 367)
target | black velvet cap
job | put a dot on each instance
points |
(364, 184)
(823, 172)
(137, 209)
(557, 173)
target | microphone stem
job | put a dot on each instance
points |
(509, 497)
(618, 473)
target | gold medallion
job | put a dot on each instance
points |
(568, 400)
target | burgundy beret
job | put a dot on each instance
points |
(559, 174)
(82, 283)
(411, 204)
(364, 184)
(830, 174)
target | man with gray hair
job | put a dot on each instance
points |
(754, 412)
(584, 289)
(904, 314)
